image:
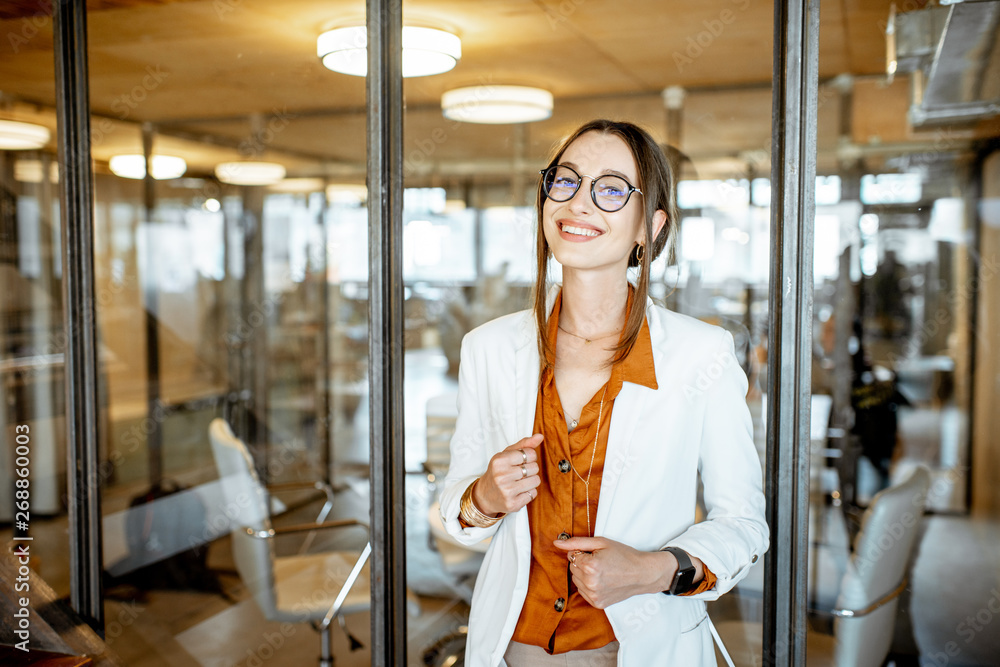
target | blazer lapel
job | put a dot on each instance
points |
(526, 371)
(629, 406)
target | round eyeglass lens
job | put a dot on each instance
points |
(611, 192)
(561, 183)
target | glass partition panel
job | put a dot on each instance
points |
(698, 80)
(33, 525)
(903, 283)
(231, 294)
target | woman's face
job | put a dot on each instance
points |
(582, 236)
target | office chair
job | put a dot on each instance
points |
(314, 588)
(865, 610)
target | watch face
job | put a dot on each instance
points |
(683, 581)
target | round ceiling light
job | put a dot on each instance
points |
(346, 193)
(495, 105)
(426, 51)
(165, 167)
(249, 173)
(31, 171)
(18, 136)
(299, 185)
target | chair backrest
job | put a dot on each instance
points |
(882, 551)
(246, 507)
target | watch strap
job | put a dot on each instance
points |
(683, 580)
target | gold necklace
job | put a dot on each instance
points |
(586, 340)
(593, 453)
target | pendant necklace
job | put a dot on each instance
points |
(593, 453)
(586, 341)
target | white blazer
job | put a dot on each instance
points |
(697, 421)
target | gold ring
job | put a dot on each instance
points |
(572, 557)
(524, 456)
(524, 471)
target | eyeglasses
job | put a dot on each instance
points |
(610, 193)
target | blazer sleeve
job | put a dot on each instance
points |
(470, 446)
(734, 534)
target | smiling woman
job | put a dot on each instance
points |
(588, 379)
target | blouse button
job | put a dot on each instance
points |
(564, 466)
(754, 559)
(564, 536)
(560, 604)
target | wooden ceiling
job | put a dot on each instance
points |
(206, 72)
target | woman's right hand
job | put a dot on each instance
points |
(510, 480)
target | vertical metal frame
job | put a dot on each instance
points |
(385, 337)
(253, 297)
(793, 181)
(324, 422)
(151, 300)
(69, 28)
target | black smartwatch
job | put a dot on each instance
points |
(684, 577)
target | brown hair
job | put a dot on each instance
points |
(659, 194)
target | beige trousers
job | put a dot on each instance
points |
(525, 655)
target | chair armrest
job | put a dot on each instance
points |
(292, 486)
(303, 528)
(888, 597)
(841, 612)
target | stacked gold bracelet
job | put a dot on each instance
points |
(470, 513)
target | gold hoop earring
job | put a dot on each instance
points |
(640, 252)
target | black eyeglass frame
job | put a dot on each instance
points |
(593, 181)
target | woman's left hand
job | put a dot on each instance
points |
(606, 572)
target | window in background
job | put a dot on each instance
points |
(439, 247)
(509, 242)
(890, 188)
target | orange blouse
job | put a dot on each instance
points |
(555, 616)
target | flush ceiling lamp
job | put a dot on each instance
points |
(346, 193)
(426, 51)
(31, 171)
(299, 185)
(18, 136)
(165, 167)
(249, 173)
(495, 105)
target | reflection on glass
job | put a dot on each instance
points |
(32, 379)
(897, 345)
(720, 274)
